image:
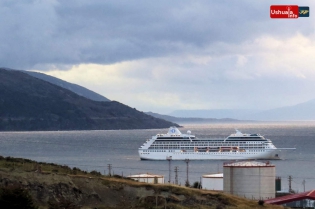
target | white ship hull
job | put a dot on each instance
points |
(177, 146)
(272, 154)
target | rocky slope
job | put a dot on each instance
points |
(53, 184)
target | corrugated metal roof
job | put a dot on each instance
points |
(292, 198)
(248, 164)
(216, 175)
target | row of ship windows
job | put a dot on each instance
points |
(212, 153)
(207, 145)
(207, 142)
(210, 144)
(199, 152)
(221, 153)
(176, 147)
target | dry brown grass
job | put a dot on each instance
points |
(194, 198)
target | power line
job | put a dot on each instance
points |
(165, 170)
(78, 145)
(99, 146)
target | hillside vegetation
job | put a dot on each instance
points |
(28, 103)
(57, 186)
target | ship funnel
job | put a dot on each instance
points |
(173, 130)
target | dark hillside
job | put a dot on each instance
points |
(28, 103)
(70, 86)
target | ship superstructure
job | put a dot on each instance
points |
(178, 146)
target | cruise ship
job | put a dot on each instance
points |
(177, 146)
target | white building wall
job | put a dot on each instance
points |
(159, 180)
(250, 182)
(212, 183)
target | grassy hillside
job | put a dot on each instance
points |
(28, 103)
(52, 185)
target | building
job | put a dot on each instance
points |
(148, 178)
(249, 179)
(212, 182)
(301, 200)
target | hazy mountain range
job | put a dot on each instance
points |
(302, 111)
(29, 103)
(183, 120)
(299, 112)
(212, 113)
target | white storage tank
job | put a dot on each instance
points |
(148, 178)
(212, 181)
(252, 180)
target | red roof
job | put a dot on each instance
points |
(292, 198)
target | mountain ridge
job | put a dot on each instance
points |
(80, 90)
(299, 112)
(213, 113)
(28, 103)
(192, 120)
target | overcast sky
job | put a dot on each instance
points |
(162, 56)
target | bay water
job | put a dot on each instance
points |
(95, 150)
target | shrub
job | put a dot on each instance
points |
(95, 173)
(197, 185)
(16, 198)
(117, 176)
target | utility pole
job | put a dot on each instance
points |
(304, 201)
(290, 182)
(169, 168)
(176, 175)
(109, 166)
(187, 181)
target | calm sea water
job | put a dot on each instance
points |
(94, 150)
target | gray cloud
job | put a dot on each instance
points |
(62, 33)
(164, 55)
